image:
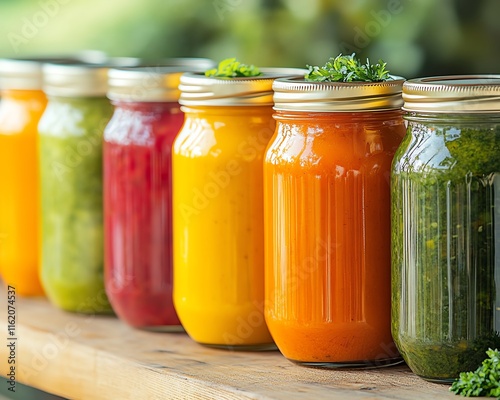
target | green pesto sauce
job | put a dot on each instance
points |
(446, 247)
(71, 133)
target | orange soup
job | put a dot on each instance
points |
(20, 111)
(327, 221)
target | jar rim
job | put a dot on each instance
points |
(155, 82)
(453, 94)
(200, 90)
(297, 94)
(81, 79)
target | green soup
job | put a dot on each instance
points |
(446, 245)
(70, 147)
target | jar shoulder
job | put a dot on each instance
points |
(143, 126)
(247, 137)
(75, 117)
(17, 114)
(351, 144)
(449, 150)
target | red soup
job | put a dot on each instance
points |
(137, 196)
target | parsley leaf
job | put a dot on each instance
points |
(231, 68)
(348, 69)
(484, 381)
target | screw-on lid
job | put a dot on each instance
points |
(450, 94)
(199, 90)
(19, 74)
(301, 95)
(153, 83)
(81, 80)
(26, 73)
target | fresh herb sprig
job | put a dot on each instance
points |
(484, 381)
(232, 68)
(348, 69)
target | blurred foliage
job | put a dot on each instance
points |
(415, 37)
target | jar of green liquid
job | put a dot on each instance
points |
(446, 225)
(70, 149)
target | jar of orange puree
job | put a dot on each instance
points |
(218, 217)
(327, 221)
(23, 103)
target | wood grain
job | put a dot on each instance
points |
(95, 357)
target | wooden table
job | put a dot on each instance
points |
(95, 357)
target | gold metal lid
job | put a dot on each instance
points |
(301, 95)
(81, 80)
(155, 82)
(199, 90)
(450, 94)
(26, 73)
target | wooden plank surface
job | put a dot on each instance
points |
(95, 357)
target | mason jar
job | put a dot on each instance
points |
(445, 225)
(22, 105)
(70, 153)
(137, 191)
(218, 209)
(327, 221)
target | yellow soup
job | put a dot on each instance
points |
(218, 225)
(20, 112)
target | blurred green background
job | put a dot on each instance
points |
(415, 37)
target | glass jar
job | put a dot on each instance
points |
(445, 236)
(71, 132)
(22, 105)
(137, 191)
(327, 221)
(218, 210)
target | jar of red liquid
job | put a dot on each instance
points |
(137, 191)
